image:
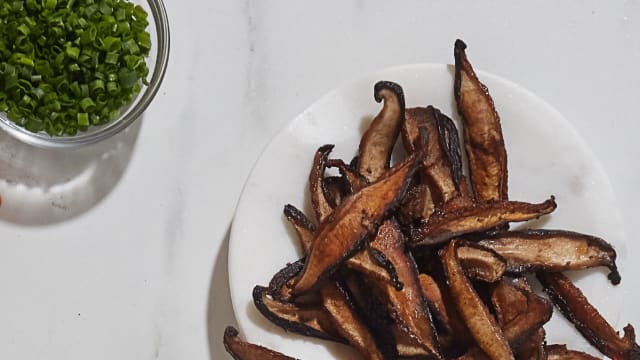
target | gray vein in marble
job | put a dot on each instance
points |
(255, 70)
(174, 221)
(157, 344)
(249, 9)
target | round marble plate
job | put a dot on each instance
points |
(546, 157)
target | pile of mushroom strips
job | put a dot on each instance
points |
(414, 261)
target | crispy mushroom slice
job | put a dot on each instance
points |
(350, 223)
(552, 250)
(270, 301)
(521, 327)
(339, 308)
(366, 263)
(456, 337)
(539, 311)
(447, 135)
(436, 169)
(376, 145)
(354, 180)
(377, 318)
(533, 347)
(560, 352)
(481, 324)
(328, 316)
(335, 189)
(417, 205)
(459, 339)
(304, 319)
(586, 318)
(409, 131)
(321, 206)
(484, 142)
(433, 295)
(509, 300)
(453, 335)
(277, 285)
(481, 263)
(406, 304)
(449, 138)
(449, 223)
(242, 350)
(373, 312)
(447, 141)
(337, 302)
(302, 225)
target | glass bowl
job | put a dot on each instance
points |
(157, 63)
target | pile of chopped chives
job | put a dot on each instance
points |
(66, 65)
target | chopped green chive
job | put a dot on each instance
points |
(112, 58)
(73, 52)
(111, 43)
(127, 78)
(96, 86)
(131, 47)
(50, 4)
(83, 119)
(66, 65)
(112, 88)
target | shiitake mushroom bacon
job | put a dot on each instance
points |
(442, 226)
(560, 352)
(482, 325)
(585, 317)
(406, 303)
(437, 169)
(242, 350)
(376, 145)
(552, 250)
(349, 225)
(339, 309)
(413, 262)
(484, 142)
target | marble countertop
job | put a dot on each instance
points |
(119, 251)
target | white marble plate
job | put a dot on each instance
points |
(546, 157)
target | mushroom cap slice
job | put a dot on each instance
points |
(242, 350)
(482, 326)
(552, 250)
(304, 319)
(449, 223)
(484, 143)
(376, 145)
(304, 228)
(560, 352)
(436, 169)
(586, 318)
(406, 303)
(481, 263)
(337, 302)
(320, 205)
(348, 226)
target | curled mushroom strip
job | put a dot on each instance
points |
(442, 226)
(348, 226)
(587, 320)
(552, 250)
(376, 145)
(486, 153)
(482, 326)
(242, 350)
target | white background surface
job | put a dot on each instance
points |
(119, 251)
